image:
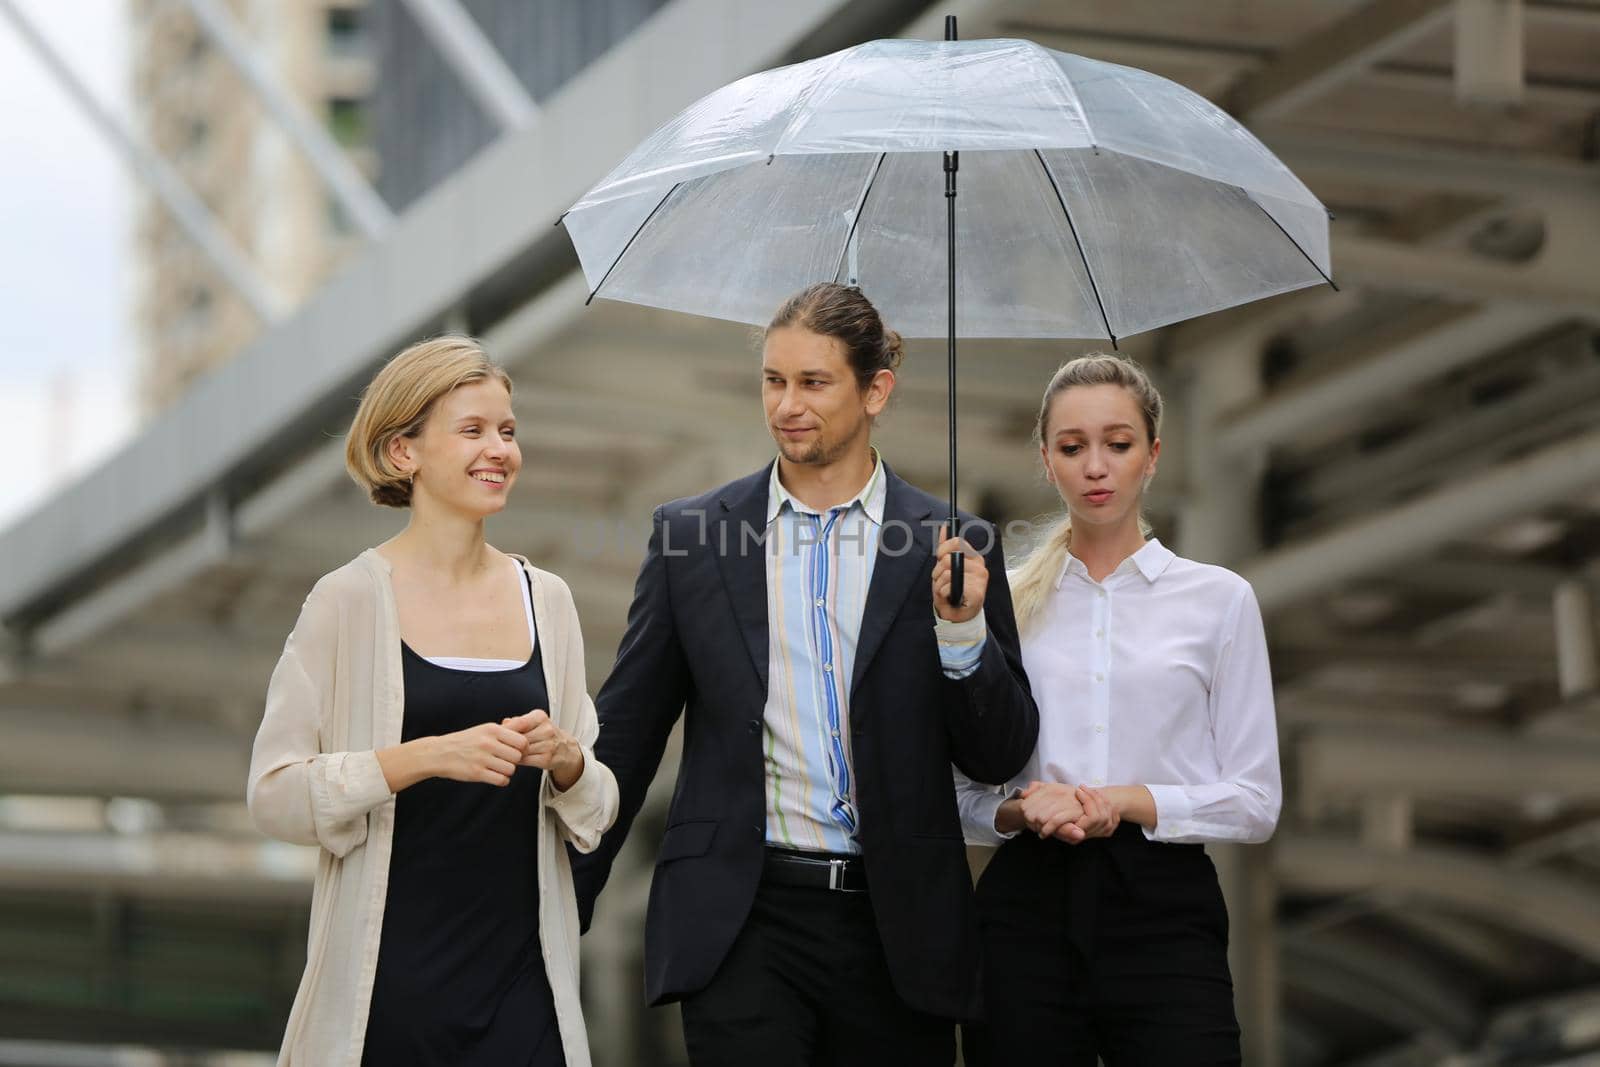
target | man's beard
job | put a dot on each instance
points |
(819, 452)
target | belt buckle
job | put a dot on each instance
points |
(835, 874)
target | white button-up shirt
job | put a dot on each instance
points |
(1156, 676)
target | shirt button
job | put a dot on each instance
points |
(835, 734)
(1100, 633)
(820, 602)
(1099, 729)
(1100, 593)
(1099, 781)
(1099, 677)
(827, 667)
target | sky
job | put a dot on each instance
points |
(67, 347)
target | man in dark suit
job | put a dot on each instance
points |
(811, 901)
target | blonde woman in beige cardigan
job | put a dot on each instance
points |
(429, 728)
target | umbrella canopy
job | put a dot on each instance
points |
(1096, 200)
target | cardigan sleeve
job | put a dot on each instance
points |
(298, 792)
(586, 810)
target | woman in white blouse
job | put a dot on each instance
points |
(428, 727)
(1104, 928)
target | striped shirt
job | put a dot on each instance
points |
(819, 569)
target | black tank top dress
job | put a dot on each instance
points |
(460, 979)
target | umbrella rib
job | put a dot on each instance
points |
(1088, 270)
(855, 220)
(629, 245)
(1246, 194)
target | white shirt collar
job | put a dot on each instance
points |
(1151, 561)
(871, 497)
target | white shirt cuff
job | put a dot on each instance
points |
(960, 644)
(1174, 811)
(982, 811)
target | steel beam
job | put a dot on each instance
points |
(1453, 762)
(1394, 163)
(475, 60)
(1556, 281)
(1383, 985)
(1322, 60)
(1554, 908)
(168, 866)
(1560, 400)
(169, 187)
(348, 185)
(120, 755)
(1286, 575)
(116, 599)
(495, 211)
(1462, 338)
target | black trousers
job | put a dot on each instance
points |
(805, 984)
(1116, 948)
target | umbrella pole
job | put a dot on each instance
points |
(952, 163)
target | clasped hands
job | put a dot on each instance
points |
(1068, 813)
(491, 752)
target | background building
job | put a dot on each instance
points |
(196, 110)
(1407, 470)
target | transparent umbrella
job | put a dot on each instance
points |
(1096, 200)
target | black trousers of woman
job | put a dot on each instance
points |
(1115, 948)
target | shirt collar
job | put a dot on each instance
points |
(1151, 560)
(871, 497)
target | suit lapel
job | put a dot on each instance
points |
(742, 561)
(905, 544)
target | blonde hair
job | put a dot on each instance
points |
(1039, 568)
(396, 403)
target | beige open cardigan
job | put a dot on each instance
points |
(336, 697)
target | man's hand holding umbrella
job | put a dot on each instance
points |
(974, 574)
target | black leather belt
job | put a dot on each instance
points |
(815, 870)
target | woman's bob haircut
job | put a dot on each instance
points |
(397, 403)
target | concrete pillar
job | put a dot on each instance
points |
(1220, 524)
(1386, 822)
(1576, 662)
(1489, 52)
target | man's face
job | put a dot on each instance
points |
(816, 410)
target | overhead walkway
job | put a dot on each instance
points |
(1408, 471)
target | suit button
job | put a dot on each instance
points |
(755, 726)
(761, 831)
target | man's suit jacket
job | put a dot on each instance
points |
(697, 640)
